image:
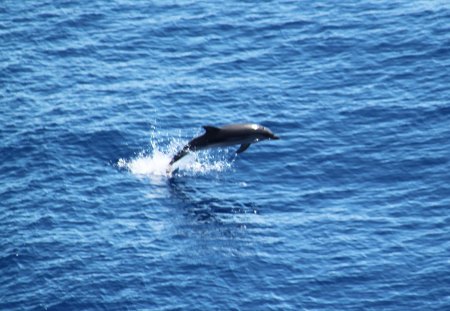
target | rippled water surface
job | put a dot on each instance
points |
(348, 211)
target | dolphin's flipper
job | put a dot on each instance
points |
(242, 148)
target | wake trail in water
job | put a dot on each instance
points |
(153, 163)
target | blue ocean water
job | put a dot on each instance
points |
(348, 211)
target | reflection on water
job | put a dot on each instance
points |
(200, 203)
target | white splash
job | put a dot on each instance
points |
(147, 165)
(154, 163)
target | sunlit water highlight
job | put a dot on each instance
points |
(154, 163)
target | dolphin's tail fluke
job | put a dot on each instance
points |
(169, 170)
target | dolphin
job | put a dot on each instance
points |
(229, 135)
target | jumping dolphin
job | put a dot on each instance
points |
(234, 134)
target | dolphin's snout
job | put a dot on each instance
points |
(275, 137)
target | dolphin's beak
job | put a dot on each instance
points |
(275, 137)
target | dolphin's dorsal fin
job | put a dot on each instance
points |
(211, 129)
(242, 148)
